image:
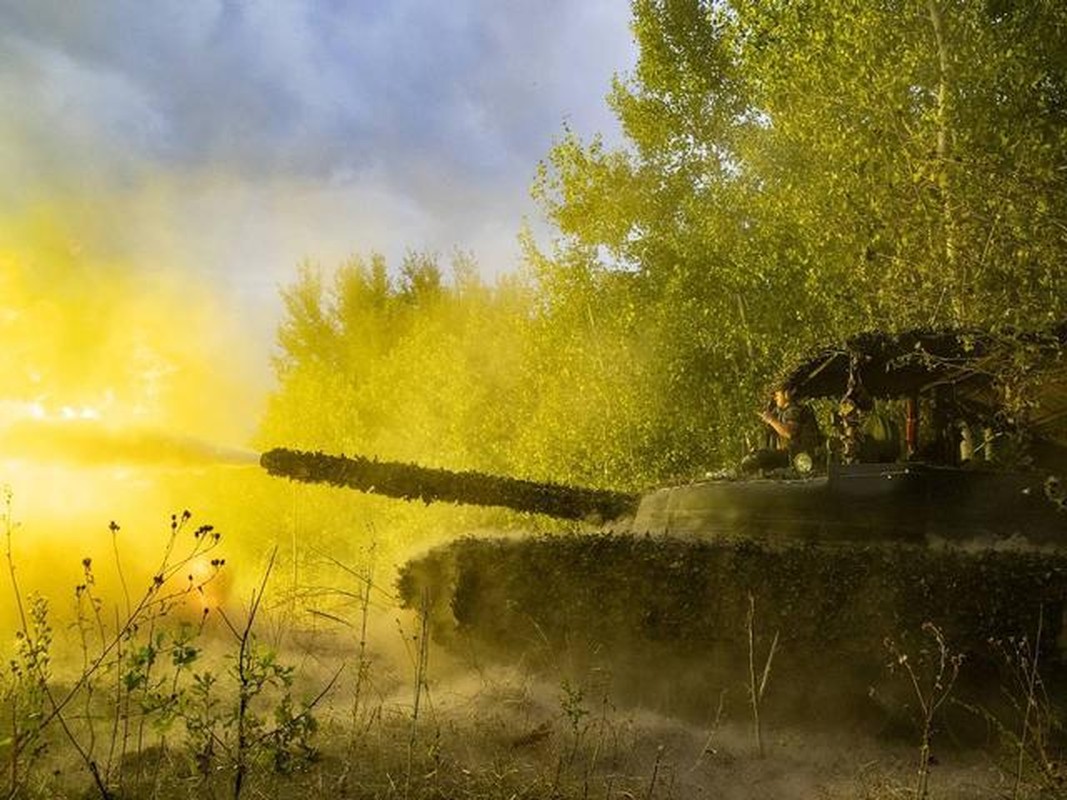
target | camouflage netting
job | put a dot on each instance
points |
(1021, 375)
(412, 482)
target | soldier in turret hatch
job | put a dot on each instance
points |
(794, 437)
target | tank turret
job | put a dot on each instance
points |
(906, 502)
(933, 491)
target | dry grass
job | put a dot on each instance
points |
(349, 699)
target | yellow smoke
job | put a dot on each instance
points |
(111, 367)
(82, 440)
(134, 342)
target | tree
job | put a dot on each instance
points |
(797, 172)
(793, 173)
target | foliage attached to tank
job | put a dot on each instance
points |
(640, 603)
(412, 482)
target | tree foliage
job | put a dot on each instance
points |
(797, 172)
(792, 173)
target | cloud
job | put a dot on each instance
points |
(307, 86)
(237, 138)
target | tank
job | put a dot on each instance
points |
(960, 535)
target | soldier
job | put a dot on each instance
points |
(795, 436)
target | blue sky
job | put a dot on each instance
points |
(236, 139)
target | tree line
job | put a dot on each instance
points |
(791, 174)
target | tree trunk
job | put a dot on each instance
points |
(954, 265)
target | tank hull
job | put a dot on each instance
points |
(915, 503)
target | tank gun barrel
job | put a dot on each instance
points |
(414, 482)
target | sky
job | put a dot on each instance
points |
(227, 141)
(166, 166)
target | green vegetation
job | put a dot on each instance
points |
(275, 701)
(790, 176)
(645, 602)
(792, 173)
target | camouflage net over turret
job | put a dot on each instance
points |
(412, 482)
